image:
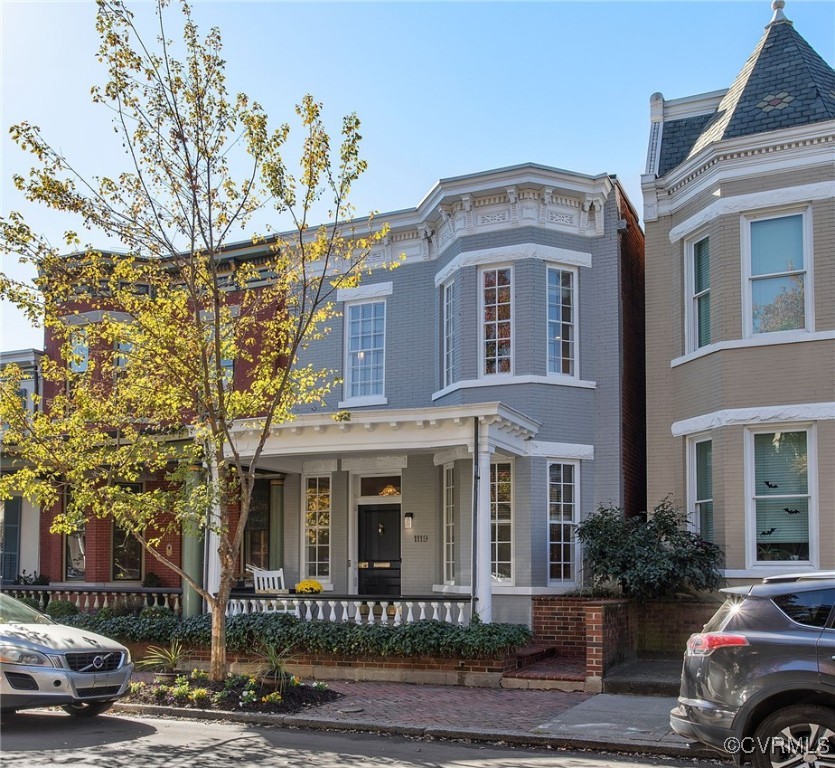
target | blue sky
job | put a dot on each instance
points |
(442, 88)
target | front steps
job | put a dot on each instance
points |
(538, 668)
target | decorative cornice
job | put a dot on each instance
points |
(773, 414)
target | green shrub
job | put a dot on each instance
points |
(650, 557)
(61, 609)
(31, 602)
(289, 634)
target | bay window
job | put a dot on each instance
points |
(777, 272)
(781, 501)
(497, 320)
(561, 321)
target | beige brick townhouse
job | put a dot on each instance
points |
(739, 204)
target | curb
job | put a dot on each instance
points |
(480, 735)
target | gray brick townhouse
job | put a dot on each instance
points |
(494, 382)
(739, 205)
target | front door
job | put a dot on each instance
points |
(379, 549)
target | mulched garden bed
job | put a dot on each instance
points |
(238, 693)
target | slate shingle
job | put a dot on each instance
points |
(784, 83)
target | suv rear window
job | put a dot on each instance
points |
(811, 608)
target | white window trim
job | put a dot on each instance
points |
(482, 341)
(751, 562)
(348, 401)
(505, 379)
(497, 582)
(575, 295)
(691, 316)
(326, 583)
(693, 520)
(746, 219)
(576, 549)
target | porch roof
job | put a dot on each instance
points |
(446, 431)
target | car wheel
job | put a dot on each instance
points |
(87, 708)
(803, 735)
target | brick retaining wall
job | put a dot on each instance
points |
(607, 632)
(480, 673)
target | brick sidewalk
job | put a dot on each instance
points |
(433, 706)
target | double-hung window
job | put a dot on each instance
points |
(776, 255)
(450, 331)
(501, 521)
(562, 321)
(80, 351)
(449, 524)
(562, 516)
(781, 500)
(257, 531)
(366, 348)
(497, 320)
(317, 528)
(701, 486)
(698, 290)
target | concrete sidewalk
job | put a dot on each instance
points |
(606, 722)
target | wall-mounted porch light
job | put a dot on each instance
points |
(408, 519)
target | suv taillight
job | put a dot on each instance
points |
(707, 642)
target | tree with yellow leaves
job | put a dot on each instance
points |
(161, 353)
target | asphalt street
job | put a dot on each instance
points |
(51, 738)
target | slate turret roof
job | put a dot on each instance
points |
(784, 83)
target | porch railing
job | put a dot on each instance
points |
(360, 609)
(89, 598)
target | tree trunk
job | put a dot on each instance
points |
(217, 664)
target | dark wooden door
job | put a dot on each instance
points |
(379, 549)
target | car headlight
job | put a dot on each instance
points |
(11, 654)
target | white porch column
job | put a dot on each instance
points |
(484, 581)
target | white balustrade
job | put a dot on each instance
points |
(355, 609)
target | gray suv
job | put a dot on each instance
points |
(44, 664)
(758, 682)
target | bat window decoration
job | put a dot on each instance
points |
(768, 532)
(791, 511)
(770, 485)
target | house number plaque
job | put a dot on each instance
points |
(421, 538)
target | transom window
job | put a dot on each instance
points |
(562, 516)
(497, 320)
(777, 274)
(781, 498)
(366, 341)
(698, 278)
(317, 528)
(561, 321)
(501, 521)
